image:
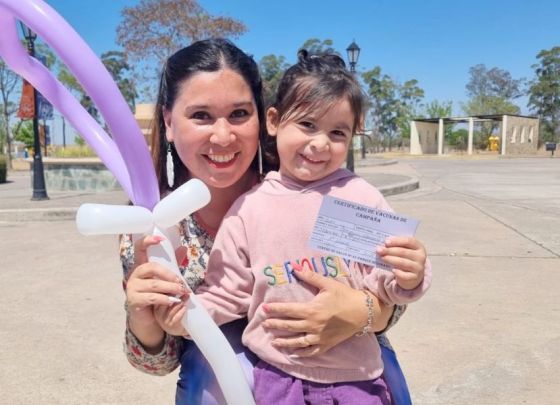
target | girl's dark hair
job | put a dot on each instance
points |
(315, 84)
(210, 55)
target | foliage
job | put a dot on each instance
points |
(23, 132)
(437, 109)
(3, 168)
(493, 82)
(392, 105)
(316, 46)
(458, 138)
(491, 91)
(73, 151)
(544, 93)
(78, 140)
(8, 81)
(272, 69)
(157, 28)
(116, 63)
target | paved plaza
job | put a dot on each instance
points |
(488, 332)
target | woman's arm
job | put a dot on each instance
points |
(147, 346)
(335, 314)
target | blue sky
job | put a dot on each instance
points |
(434, 42)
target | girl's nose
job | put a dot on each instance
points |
(222, 134)
(320, 142)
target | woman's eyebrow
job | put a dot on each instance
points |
(236, 104)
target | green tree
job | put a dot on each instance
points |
(410, 96)
(544, 93)
(491, 91)
(116, 63)
(8, 81)
(272, 69)
(392, 105)
(316, 46)
(438, 109)
(23, 132)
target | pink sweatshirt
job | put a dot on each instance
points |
(266, 230)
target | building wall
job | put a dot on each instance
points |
(423, 138)
(522, 135)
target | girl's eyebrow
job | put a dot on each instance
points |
(342, 125)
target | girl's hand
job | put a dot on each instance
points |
(336, 313)
(407, 256)
(169, 318)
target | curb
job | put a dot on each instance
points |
(400, 188)
(38, 214)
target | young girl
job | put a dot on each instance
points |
(263, 243)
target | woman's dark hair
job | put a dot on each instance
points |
(315, 84)
(210, 55)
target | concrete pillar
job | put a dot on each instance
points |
(440, 137)
(415, 147)
(470, 140)
(504, 134)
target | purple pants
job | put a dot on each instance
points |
(273, 386)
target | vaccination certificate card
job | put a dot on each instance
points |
(354, 231)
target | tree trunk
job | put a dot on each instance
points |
(8, 137)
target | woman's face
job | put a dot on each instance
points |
(214, 126)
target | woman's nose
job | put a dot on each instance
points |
(222, 134)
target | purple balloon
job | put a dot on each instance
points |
(126, 155)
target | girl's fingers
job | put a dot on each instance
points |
(141, 248)
(154, 271)
(403, 264)
(408, 242)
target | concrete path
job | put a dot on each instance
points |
(487, 333)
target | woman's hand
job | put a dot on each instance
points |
(407, 256)
(335, 314)
(149, 284)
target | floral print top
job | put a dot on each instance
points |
(199, 244)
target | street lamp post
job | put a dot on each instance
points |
(39, 189)
(353, 52)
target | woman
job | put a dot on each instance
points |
(209, 124)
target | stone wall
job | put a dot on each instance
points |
(89, 175)
(522, 135)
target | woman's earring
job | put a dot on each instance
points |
(170, 167)
(260, 159)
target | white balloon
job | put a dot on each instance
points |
(97, 219)
(188, 198)
(102, 219)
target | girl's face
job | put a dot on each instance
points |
(313, 147)
(214, 126)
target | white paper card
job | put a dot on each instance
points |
(354, 231)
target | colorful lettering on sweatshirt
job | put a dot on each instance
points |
(328, 266)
